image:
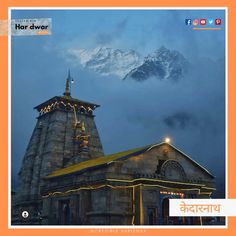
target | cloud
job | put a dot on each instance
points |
(180, 120)
(106, 37)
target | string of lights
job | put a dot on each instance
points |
(157, 180)
(51, 106)
(133, 199)
(93, 187)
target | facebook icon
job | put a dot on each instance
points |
(188, 21)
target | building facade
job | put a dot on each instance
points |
(66, 179)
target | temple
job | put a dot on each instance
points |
(66, 179)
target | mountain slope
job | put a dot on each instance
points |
(162, 64)
(108, 61)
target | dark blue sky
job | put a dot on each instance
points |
(191, 111)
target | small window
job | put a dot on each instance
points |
(160, 163)
(64, 212)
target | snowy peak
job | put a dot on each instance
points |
(107, 61)
(161, 64)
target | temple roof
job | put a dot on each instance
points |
(108, 159)
(66, 99)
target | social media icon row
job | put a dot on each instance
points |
(203, 21)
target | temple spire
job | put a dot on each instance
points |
(67, 89)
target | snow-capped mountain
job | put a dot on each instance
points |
(107, 61)
(161, 64)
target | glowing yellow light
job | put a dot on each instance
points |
(167, 140)
(92, 187)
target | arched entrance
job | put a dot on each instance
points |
(152, 215)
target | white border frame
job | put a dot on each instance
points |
(106, 228)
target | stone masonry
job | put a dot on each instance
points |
(54, 144)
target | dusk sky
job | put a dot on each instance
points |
(190, 111)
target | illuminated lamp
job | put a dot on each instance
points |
(167, 140)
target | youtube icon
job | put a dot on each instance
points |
(202, 21)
